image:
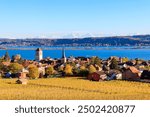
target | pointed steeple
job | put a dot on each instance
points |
(63, 53)
(6, 56)
(64, 59)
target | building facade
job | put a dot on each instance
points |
(39, 54)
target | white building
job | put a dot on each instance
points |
(39, 54)
(64, 59)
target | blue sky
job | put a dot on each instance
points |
(67, 18)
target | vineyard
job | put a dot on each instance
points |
(73, 89)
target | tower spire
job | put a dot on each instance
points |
(64, 60)
(63, 53)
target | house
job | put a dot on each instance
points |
(145, 74)
(22, 75)
(145, 63)
(131, 73)
(6, 63)
(105, 68)
(131, 62)
(97, 76)
(41, 71)
(114, 75)
(8, 75)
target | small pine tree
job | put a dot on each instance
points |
(7, 57)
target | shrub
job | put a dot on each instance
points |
(49, 71)
(68, 70)
(15, 68)
(33, 72)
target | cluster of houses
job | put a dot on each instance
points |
(130, 70)
(135, 70)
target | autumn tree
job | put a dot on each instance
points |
(49, 71)
(68, 70)
(15, 67)
(3, 68)
(33, 72)
(125, 59)
(92, 69)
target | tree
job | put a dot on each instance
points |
(61, 68)
(125, 59)
(83, 71)
(15, 68)
(6, 57)
(68, 70)
(76, 71)
(3, 68)
(49, 70)
(114, 64)
(92, 69)
(96, 60)
(33, 72)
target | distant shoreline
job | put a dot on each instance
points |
(75, 48)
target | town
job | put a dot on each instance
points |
(91, 68)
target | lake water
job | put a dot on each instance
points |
(103, 53)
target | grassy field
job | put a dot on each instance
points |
(73, 88)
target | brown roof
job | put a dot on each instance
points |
(6, 63)
(38, 49)
(100, 73)
(134, 70)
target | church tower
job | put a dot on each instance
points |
(64, 59)
(39, 54)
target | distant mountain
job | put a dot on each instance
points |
(142, 40)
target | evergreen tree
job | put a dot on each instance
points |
(7, 57)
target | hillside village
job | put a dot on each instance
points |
(93, 68)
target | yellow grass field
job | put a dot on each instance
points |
(73, 89)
